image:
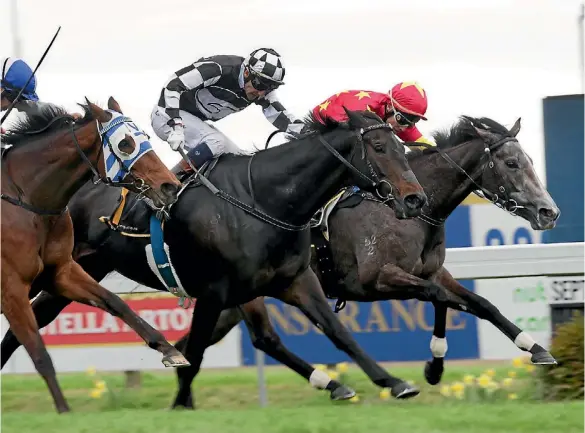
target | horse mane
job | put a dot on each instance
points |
(44, 119)
(313, 126)
(461, 132)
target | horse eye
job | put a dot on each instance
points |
(512, 163)
(125, 146)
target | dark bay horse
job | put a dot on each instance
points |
(51, 157)
(228, 250)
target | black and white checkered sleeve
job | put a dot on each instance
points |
(278, 115)
(194, 76)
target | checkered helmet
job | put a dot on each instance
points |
(266, 63)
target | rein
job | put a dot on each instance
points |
(508, 204)
(254, 211)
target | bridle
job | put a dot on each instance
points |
(373, 179)
(104, 135)
(501, 199)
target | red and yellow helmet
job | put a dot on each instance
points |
(409, 97)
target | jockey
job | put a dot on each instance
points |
(15, 74)
(213, 88)
(402, 107)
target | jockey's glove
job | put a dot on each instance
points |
(177, 137)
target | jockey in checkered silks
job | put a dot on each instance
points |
(213, 88)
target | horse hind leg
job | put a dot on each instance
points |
(265, 338)
(18, 312)
(72, 282)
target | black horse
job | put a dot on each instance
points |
(226, 252)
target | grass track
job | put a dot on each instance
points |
(228, 403)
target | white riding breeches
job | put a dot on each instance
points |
(196, 132)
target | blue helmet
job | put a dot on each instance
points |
(15, 74)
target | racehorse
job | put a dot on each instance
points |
(249, 236)
(407, 262)
(51, 156)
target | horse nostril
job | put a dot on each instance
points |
(415, 201)
(170, 190)
(548, 213)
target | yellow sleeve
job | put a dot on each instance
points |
(423, 139)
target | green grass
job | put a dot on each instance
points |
(228, 402)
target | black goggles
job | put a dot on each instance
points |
(403, 119)
(261, 84)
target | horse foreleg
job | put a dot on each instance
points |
(265, 338)
(228, 319)
(73, 283)
(17, 309)
(205, 317)
(484, 309)
(306, 294)
(434, 368)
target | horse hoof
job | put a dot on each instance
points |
(543, 358)
(342, 392)
(433, 373)
(177, 360)
(405, 390)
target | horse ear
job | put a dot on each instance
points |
(516, 128)
(113, 105)
(481, 129)
(99, 114)
(354, 119)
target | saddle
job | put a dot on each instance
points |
(322, 255)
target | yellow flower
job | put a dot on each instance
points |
(512, 374)
(320, 367)
(445, 391)
(512, 396)
(90, 370)
(100, 384)
(468, 379)
(459, 394)
(355, 399)
(96, 393)
(490, 372)
(492, 386)
(517, 362)
(385, 394)
(342, 367)
(484, 380)
(530, 368)
(507, 382)
(457, 387)
(333, 375)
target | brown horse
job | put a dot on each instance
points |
(51, 157)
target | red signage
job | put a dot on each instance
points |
(82, 325)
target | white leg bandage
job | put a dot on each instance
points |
(524, 341)
(319, 379)
(438, 347)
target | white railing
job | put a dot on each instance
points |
(508, 261)
(502, 261)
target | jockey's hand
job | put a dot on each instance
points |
(177, 137)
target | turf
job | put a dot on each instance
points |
(227, 401)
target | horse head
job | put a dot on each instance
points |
(127, 157)
(383, 157)
(509, 177)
